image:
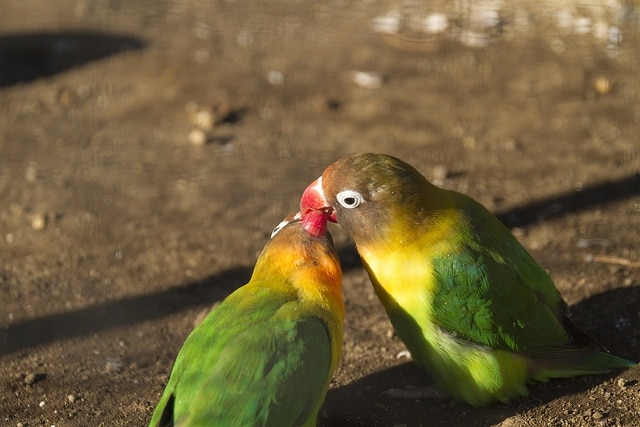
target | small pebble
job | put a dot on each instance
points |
(38, 222)
(113, 365)
(30, 378)
(602, 85)
(31, 173)
(600, 30)
(564, 18)
(622, 383)
(201, 56)
(488, 18)
(387, 24)
(197, 137)
(275, 77)
(439, 172)
(71, 398)
(244, 39)
(435, 23)
(405, 354)
(41, 404)
(368, 80)
(509, 144)
(557, 45)
(474, 39)
(582, 25)
(204, 119)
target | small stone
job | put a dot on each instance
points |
(597, 415)
(622, 383)
(404, 354)
(387, 24)
(71, 398)
(602, 85)
(474, 38)
(31, 173)
(582, 25)
(41, 404)
(435, 23)
(275, 77)
(30, 378)
(202, 56)
(439, 172)
(368, 80)
(38, 222)
(509, 144)
(204, 119)
(33, 377)
(197, 137)
(113, 365)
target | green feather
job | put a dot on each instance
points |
(264, 367)
(265, 355)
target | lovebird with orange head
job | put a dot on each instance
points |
(471, 305)
(266, 354)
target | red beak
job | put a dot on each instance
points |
(315, 209)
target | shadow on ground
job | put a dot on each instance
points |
(27, 57)
(43, 330)
(360, 403)
(127, 311)
(571, 202)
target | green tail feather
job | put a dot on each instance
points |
(582, 356)
(581, 364)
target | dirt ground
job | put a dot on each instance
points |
(148, 148)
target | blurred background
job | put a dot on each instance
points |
(148, 148)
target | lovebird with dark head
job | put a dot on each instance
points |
(472, 306)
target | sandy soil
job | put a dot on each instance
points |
(147, 149)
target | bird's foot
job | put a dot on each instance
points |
(413, 393)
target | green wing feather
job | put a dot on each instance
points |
(493, 293)
(512, 306)
(248, 365)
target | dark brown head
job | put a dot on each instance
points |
(364, 193)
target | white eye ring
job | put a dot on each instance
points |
(350, 199)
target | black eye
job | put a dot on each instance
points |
(350, 199)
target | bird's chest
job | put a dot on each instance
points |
(401, 278)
